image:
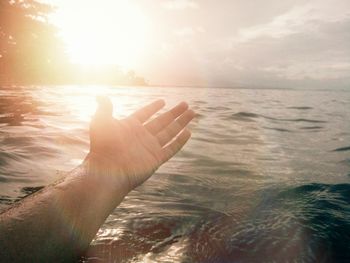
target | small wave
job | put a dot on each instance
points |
(218, 108)
(199, 116)
(311, 128)
(277, 129)
(243, 116)
(200, 102)
(246, 114)
(300, 108)
(12, 120)
(9, 157)
(250, 115)
(19, 141)
(342, 149)
(305, 120)
(3, 179)
(295, 120)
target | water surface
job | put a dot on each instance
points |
(265, 177)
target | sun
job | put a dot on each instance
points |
(102, 32)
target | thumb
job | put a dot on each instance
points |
(100, 124)
(104, 107)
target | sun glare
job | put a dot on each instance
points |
(102, 32)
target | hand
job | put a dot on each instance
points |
(136, 146)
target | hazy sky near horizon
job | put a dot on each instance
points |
(228, 42)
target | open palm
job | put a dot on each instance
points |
(136, 145)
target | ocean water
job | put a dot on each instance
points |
(265, 177)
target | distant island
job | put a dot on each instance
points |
(31, 53)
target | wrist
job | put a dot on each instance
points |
(105, 171)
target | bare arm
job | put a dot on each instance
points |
(58, 223)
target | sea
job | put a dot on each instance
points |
(264, 178)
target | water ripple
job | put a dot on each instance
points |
(254, 184)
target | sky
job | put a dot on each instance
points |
(266, 43)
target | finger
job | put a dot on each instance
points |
(176, 145)
(146, 112)
(104, 107)
(162, 121)
(167, 134)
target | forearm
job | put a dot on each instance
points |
(59, 222)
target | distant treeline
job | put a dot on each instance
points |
(31, 52)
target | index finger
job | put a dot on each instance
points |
(147, 111)
(163, 120)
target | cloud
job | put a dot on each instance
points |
(180, 4)
(301, 47)
(268, 43)
(280, 26)
(314, 48)
(189, 31)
